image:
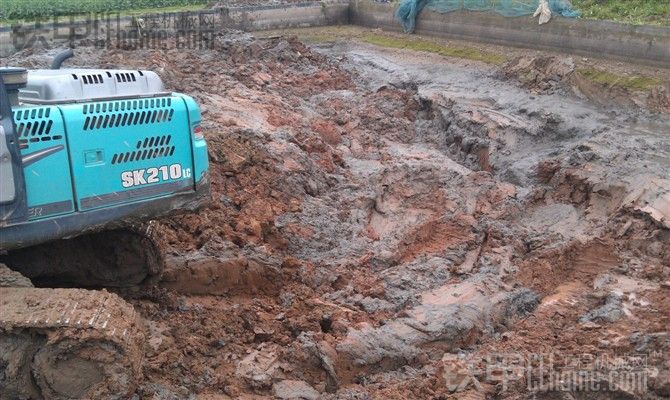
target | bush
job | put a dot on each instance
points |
(42, 9)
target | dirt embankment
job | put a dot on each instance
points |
(382, 223)
(543, 74)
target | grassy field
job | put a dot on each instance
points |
(640, 83)
(652, 12)
(417, 44)
(16, 10)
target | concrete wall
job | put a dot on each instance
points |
(642, 44)
(6, 47)
(289, 16)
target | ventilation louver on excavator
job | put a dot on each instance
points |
(82, 85)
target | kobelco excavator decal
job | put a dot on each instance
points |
(147, 176)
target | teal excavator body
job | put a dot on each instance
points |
(84, 150)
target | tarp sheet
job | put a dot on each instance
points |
(408, 10)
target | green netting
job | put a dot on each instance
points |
(409, 9)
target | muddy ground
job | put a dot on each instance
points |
(395, 224)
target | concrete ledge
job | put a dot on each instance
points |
(641, 44)
(296, 15)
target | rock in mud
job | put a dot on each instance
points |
(259, 367)
(10, 278)
(611, 311)
(522, 302)
(294, 390)
(448, 318)
(162, 392)
(541, 74)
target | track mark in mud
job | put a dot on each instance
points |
(573, 262)
(211, 275)
(595, 258)
(433, 237)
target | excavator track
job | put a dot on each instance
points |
(68, 344)
(59, 342)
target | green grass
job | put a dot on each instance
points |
(631, 82)
(412, 43)
(652, 12)
(17, 10)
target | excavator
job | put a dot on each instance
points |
(88, 158)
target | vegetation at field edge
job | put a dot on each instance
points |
(14, 10)
(652, 12)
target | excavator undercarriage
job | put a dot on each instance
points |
(87, 159)
(115, 258)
